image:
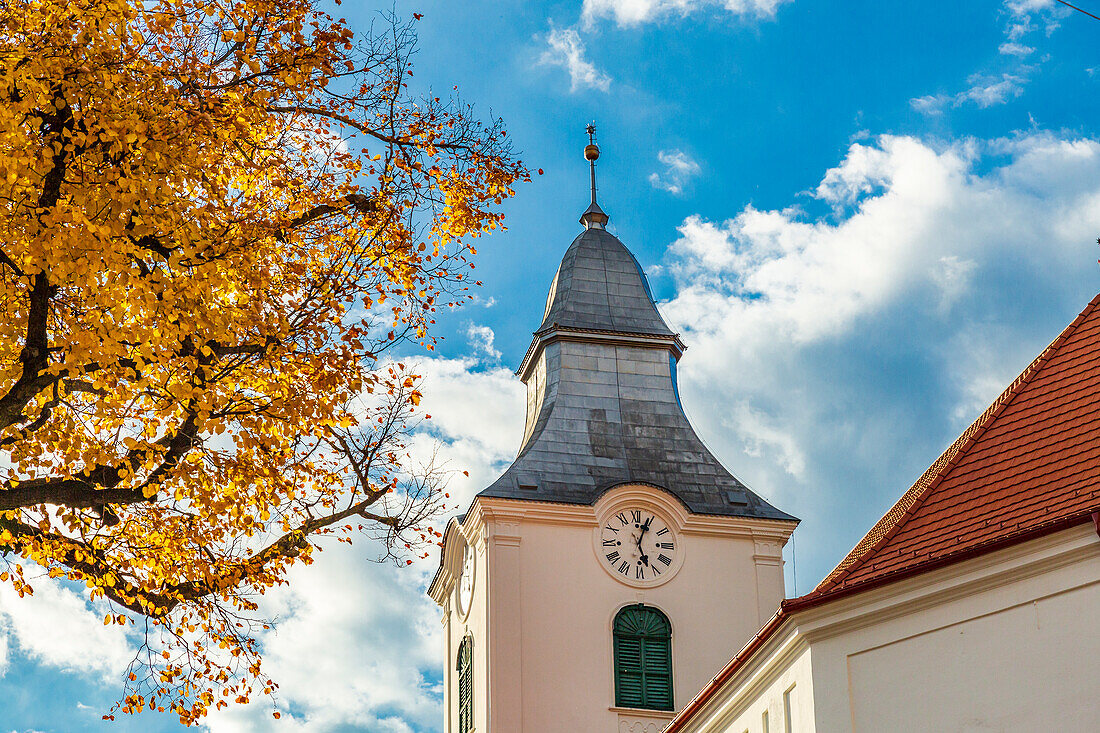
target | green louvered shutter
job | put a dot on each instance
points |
(628, 672)
(658, 673)
(643, 659)
(465, 686)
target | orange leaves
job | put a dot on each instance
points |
(223, 262)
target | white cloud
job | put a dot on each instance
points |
(1011, 48)
(1026, 16)
(984, 91)
(989, 88)
(983, 374)
(770, 298)
(483, 302)
(481, 339)
(987, 91)
(477, 414)
(930, 104)
(1027, 7)
(56, 627)
(566, 49)
(636, 12)
(1021, 14)
(680, 168)
(953, 276)
(760, 436)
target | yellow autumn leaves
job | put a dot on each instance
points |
(215, 217)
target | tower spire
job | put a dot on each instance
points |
(592, 154)
(593, 217)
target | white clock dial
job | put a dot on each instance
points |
(637, 545)
(466, 580)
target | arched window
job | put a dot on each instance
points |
(465, 667)
(643, 658)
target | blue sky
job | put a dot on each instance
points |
(864, 218)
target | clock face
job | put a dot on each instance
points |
(466, 581)
(637, 545)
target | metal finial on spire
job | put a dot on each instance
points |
(593, 217)
(592, 154)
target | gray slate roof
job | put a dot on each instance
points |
(600, 286)
(608, 413)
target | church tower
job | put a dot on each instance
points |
(603, 579)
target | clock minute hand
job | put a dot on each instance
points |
(642, 556)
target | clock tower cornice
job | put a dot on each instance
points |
(555, 333)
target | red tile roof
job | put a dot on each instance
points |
(1030, 461)
(1029, 465)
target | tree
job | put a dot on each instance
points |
(215, 218)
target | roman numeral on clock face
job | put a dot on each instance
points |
(639, 572)
(612, 557)
(636, 515)
(613, 529)
(665, 545)
(624, 568)
(662, 532)
(611, 543)
(665, 559)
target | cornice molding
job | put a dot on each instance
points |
(498, 509)
(542, 339)
(487, 510)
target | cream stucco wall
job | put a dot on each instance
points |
(1006, 642)
(543, 607)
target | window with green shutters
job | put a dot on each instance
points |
(465, 667)
(643, 658)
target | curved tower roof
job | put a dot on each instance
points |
(601, 287)
(602, 401)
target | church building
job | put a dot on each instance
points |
(603, 578)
